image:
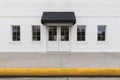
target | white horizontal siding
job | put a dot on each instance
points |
(82, 8)
(25, 44)
(59, 2)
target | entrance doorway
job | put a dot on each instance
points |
(58, 38)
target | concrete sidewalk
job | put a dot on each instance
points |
(59, 59)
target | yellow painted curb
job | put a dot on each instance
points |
(59, 72)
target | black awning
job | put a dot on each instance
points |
(58, 17)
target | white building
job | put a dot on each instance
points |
(80, 25)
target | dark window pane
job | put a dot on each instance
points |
(18, 28)
(103, 38)
(101, 33)
(16, 33)
(52, 31)
(64, 33)
(18, 38)
(81, 33)
(14, 38)
(38, 38)
(34, 38)
(99, 38)
(83, 38)
(78, 38)
(36, 33)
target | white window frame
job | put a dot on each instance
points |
(84, 36)
(11, 37)
(32, 33)
(105, 33)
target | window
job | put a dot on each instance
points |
(101, 32)
(52, 33)
(81, 33)
(36, 33)
(64, 33)
(16, 33)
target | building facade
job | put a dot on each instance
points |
(94, 27)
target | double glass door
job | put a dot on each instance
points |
(58, 38)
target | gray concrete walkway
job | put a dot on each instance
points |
(60, 60)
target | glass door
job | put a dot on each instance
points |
(58, 38)
(52, 38)
(64, 42)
